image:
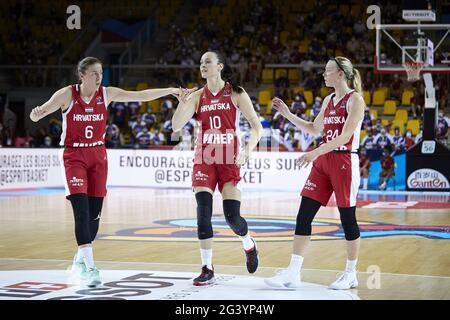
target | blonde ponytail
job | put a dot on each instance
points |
(355, 82)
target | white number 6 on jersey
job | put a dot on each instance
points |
(88, 132)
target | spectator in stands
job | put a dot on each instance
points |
(55, 130)
(306, 66)
(444, 102)
(398, 141)
(364, 167)
(417, 106)
(369, 140)
(383, 140)
(305, 140)
(113, 136)
(298, 106)
(282, 81)
(157, 138)
(47, 142)
(387, 168)
(442, 130)
(24, 140)
(288, 139)
(317, 105)
(254, 69)
(367, 121)
(256, 105)
(242, 69)
(143, 138)
(133, 108)
(377, 127)
(396, 87)
(409, 141)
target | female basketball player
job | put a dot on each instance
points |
(216, 108)
(335, 169)
(83, 158)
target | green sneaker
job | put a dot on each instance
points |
(78, 267)
(92, 277)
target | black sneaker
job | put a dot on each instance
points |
(252, 258)
(205, 278)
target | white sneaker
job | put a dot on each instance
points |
(78, 267)
(92, 276)
(383, 186)
(347, 280)
(285, 278)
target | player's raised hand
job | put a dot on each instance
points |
(36, 114)
(185, 94)
(281, 107)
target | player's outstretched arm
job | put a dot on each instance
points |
(120, 95)
(303, 125)
(246, 107)
(59, 100)
(188, 102)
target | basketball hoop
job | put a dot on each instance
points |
(413, 70)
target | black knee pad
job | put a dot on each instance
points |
(232, 212)
(349, 223)
(306, 213)
(204, 215)
(80, 205)
(95, 211)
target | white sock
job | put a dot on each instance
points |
(79, 257)
(247, 242)
(351, 265)
(206, 255)
(365, 183)
(88, 256)
(296, 263)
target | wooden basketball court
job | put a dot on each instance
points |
(404, 251)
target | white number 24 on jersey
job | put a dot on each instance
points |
(331, 135)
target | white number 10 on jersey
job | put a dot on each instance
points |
(215, 122)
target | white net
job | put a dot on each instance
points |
(413, 70)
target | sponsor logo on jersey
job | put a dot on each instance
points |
(269, 228)
(99, 100)
(88, 117)
(227, 93)
(218, 138)
(201, 176)
(310, 185)
(334, 120)
(215, 106)
(76, 182)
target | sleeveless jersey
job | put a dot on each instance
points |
(218, 123)
(84, 124)
(334, 118)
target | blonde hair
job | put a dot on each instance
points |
(351, 74)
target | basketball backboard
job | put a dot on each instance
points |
(417, 40)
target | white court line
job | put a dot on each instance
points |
(219, 265)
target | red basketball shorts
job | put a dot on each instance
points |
(334, 172)
(85, 170)
(211, 175)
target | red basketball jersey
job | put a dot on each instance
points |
(218, 123)
(84, 124)
(334, 120)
